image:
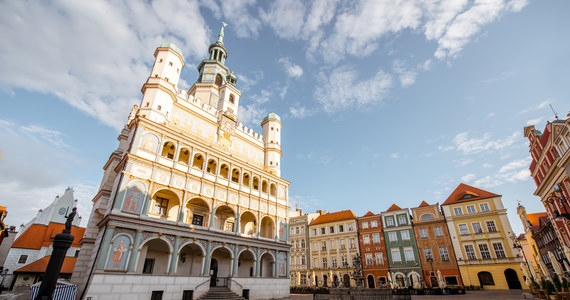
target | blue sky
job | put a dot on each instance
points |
(381, 101)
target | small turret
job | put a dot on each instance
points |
(159, 91)
(271, 125)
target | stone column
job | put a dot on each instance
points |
(236, 261)
(181, 212)
(146, 203)
(287, 263)
(237, 217)
(206, 270)
(174, 256)
(258, 262)
(105, 247)
(135, 252)
(274, 264)
(212, 213)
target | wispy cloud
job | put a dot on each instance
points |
(292, 70)
(343, 88)
(512, 172)
(298, 111)
(541, 105)
(466, 145)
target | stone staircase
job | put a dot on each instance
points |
(220, 293)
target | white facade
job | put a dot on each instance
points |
(187, 198)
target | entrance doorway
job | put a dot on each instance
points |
(370, 281)
(325, 280)
(346, 280)
(512, 279)
(213, 272)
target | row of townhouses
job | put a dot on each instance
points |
(467, 240)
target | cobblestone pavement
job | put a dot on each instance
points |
(471, 295)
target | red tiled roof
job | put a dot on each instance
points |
(394, 207)
(534, 219)
(369, 214)
(463, 189)
(333, 217)
(423, 204)
(38, 235)
(40, 265)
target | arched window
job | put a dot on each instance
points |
(427, 217)
(198, 161)
(218, 80)
(264, 186)
(245, 179)
(485, 278)
(273, 190)
(168, 150)
(224, 170)
(211, 168)
(184, 155)
(256, 183)
(232, 99)
(235, 175)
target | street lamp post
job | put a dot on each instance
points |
(517, 245)
(560, 199)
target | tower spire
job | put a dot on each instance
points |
(221, 34)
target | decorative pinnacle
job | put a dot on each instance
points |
(221, 35)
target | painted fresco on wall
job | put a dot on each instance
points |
(149, 142)
(281, 267)
(134, 197)
(282, 230)
(119, 253)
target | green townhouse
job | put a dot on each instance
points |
(405, 268)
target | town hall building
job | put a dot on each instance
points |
(191, 199)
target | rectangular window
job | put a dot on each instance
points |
(314, 232)
(374, 224)
(438, 231)
(297, 230)
(313, 246)
(366, 239)
(379, 258)
(470, 251)
(187, 295)
(197, 220)
(156, 295)
(343, 261)
(352, 244)
(463, 230)
(364, 225)
(470, 209)
(396, 257)
(350, 227)
(324, 262)
(331, 229)
(491, 226)
(423, 233)
(499, 251)
(405, 235)
(292, 231)
(332, 244)
(376, 238)
(477, 227)
(451, 280)
(323, 245)
(322, 230)
(402, 220)
(303, 259)
(160, 206)
(333, 261)
(369, 260)
(303, 279)
(340, 228)
(443, 254)
(23, 258)
(484, 250)
(457, 211)
(393, 237)
(342, 244)
(148, 266)
(314, 262)
(303, 243)
(389, 221)
(409, 253)
(428, 254)
(484, 207)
